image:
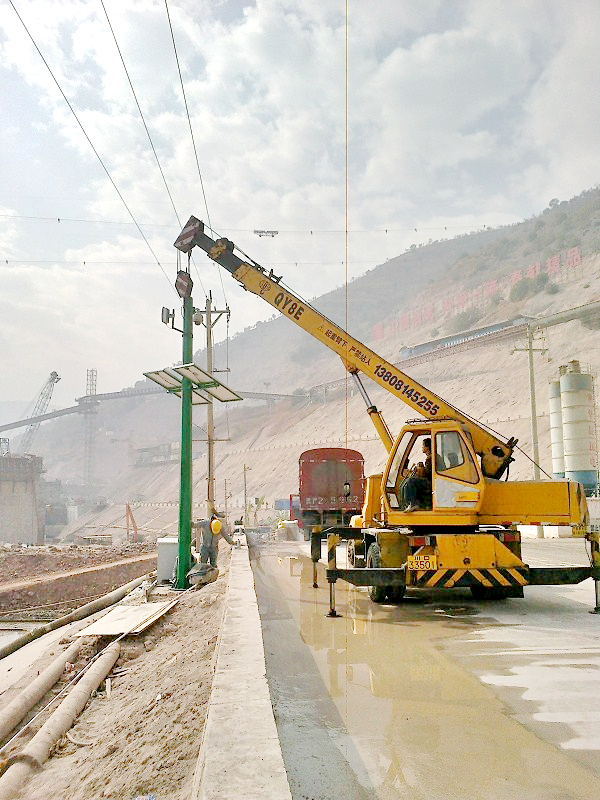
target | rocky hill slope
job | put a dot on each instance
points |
(544, 265)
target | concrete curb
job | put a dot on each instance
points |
(240, 754)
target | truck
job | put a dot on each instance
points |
(331, 483)
(464, 533)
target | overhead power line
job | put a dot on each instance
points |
(141, 112)
(103, 165)
(187, 111)
(280, 231)
(88, 262)
(145, 126)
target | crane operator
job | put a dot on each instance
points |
(417, 487)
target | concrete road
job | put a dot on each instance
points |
(436, 697)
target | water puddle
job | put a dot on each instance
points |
(379, 693)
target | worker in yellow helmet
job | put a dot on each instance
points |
(211, 531)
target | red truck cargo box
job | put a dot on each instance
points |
(323, 473)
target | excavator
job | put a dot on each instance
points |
(463, 531)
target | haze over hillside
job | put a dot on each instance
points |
(543, 265)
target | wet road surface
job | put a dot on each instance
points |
(436, 697)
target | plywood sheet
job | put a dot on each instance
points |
(127, 619)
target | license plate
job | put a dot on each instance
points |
(421, 562)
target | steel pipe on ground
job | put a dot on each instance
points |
(38, 749)
(14, 712)
(79, 613)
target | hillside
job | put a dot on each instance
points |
(542, 266)
(419, 295)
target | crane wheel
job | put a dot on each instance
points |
(376, 593)
(395, 593)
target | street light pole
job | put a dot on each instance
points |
(191, 381)
(210, 425)
(185, 486)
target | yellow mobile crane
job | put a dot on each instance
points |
(464, 532)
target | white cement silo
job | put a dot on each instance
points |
(579, 429)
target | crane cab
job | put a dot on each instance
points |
(435, 465)
(457, 494)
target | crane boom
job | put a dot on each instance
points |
(495, 453)
(40, 407)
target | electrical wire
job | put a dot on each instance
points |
(96, 153)
(187, 112)
(140, 111)
(146, 127)
(347, 376)
(86, 262)
(301, 231)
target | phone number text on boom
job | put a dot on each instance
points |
(405, 389)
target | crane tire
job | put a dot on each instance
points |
(376, 593)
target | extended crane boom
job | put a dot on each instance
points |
(445, 522)
(40, 407)
(495, 454)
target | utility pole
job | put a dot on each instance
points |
(209, 319)
(245, 497)
(533, 409)
(226, 496)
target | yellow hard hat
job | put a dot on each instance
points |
(215, 526)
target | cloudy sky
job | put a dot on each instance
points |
(309, 117)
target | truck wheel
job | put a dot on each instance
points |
(376, 593)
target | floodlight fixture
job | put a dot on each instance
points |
(184, 284)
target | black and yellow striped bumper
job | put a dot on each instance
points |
(505, 577)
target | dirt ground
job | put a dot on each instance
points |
(25, 562)
(46, 582)
(144, 739)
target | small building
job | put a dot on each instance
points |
(21, 519)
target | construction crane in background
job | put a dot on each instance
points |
(40, 407)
